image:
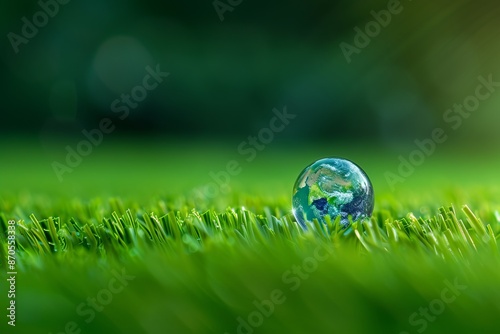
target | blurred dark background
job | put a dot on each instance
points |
(227, 76)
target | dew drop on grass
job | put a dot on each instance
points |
(334, 187)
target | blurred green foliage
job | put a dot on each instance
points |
(227, 76)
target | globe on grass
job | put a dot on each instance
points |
(334, 187)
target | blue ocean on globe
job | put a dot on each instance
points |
(334, 187)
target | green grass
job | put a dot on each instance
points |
(199, 264)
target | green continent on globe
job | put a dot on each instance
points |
(334, 187)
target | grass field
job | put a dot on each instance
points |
(126, 244)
